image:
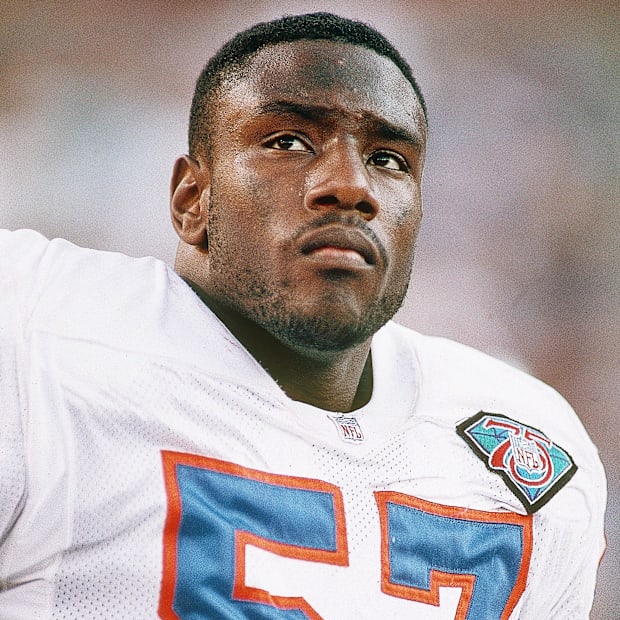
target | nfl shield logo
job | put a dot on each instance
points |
(348, 428)
(534, 467)
(525, 453)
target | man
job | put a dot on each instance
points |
(251, 437)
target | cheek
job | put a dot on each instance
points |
(410, 213)
(405, 220)
(241, 226)
(404, 233)
(401, 201)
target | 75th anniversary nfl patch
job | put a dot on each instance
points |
(534, 467)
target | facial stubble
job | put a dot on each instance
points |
(268, 303)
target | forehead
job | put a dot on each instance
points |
(347, 78)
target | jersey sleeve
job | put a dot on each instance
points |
(569, 533)
(576, 596)
(20, 253)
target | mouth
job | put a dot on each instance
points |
(340, 244)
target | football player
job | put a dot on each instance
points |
(249, 435)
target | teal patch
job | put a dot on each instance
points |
(534, 467)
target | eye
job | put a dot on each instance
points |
(287, 142)
(389, 160)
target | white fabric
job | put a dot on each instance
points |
(106, 360)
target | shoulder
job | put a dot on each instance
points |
(52, 279)
(28, 254)
(458, 382)
(78, 294)
(463, 377)
(111, 301)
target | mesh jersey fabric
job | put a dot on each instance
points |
(123, 399)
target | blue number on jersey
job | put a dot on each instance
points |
(427, 545)
(216, 509)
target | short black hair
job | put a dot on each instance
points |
(311, 26)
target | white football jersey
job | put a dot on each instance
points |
(150, 467)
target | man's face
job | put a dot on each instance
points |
(314, 205)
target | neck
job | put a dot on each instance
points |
(333, 381)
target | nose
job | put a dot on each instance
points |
(341, 181)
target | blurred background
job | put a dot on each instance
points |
(520, 249)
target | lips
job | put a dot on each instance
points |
(345, 239)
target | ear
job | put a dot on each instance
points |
(189, 200)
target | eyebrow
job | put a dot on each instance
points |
(381, 128)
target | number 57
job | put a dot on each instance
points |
(216, 509)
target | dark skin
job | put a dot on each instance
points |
(298, 227)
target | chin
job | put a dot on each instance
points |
(328, 323)
(323, 335)
(331, 329)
